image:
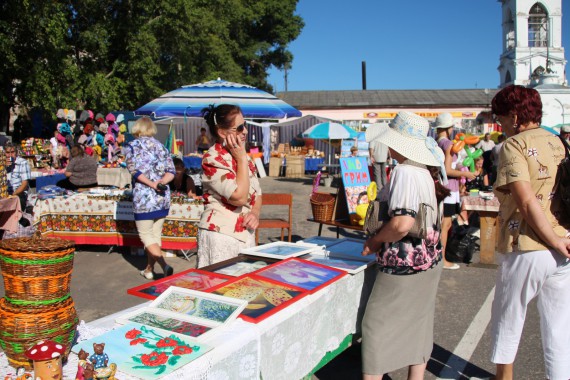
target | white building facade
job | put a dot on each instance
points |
(533, 54)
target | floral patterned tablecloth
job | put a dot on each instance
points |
(88, 220)
(480, 204)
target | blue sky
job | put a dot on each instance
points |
(409, 44)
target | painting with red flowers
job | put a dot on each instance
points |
(145, 352)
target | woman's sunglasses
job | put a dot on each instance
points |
(240, 127)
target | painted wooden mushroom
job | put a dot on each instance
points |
(47, 356)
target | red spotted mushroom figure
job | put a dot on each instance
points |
(47, 356)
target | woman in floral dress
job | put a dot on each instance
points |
(152, 169)
(397, 329)
(231, 191)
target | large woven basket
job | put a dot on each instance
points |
(323, 206)
(21, 328)
(36, 271)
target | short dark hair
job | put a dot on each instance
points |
(178, 163)
(518, 100)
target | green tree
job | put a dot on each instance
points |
(120, 54)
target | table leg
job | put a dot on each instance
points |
(488, 237)
(320, 228)
(337, 231)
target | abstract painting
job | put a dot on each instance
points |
(145, 352)
(194, 279)
(301, 273)
(198, 304)
(348, 265)
(264, 297)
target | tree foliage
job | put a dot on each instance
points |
(120, 54)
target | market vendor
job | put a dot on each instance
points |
(81, 172)
(18, 175)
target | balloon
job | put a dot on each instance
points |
(457, 146)
(471, 157)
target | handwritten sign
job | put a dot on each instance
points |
(124, 210)
(355, 178)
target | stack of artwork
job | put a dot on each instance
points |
(282, 250)
(187, 313)
(277, 286)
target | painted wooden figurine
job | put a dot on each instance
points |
(47, 357)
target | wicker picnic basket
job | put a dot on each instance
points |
(36, 270)
(323, 206)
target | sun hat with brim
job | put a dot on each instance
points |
(407, 135)
(565, 128)
(443, 120)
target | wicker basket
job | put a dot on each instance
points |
(36, 269)
(21, 328)
(323, 206)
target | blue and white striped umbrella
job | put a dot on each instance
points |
(188, 101)
(330, 131)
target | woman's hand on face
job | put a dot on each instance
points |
(250, 221)
(235, 146)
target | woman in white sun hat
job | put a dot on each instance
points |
(397, 329)
(452, 204)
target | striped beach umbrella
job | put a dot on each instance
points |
(188, 101)
(330, 131)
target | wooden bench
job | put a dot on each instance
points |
(338, 224)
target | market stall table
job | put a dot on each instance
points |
(488, 211)
(95, 220)
(312, 164)
(291, 344)
(46, 180)
(118, 177)
(10, 214)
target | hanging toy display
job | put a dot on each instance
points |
(462, 141)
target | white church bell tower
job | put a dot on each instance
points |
(532, 42)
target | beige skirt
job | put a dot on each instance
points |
(397, 329)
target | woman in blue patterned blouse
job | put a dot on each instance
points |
(152, 169)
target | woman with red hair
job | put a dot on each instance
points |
(536, 251)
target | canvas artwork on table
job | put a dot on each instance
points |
(321, 240)
(241, 268)
(194, 279)
(348, 265)
(264, 297)
(301, 273)
(206, 306)
(281, 250)
(348, 248)
(145, 352)
(168, 322)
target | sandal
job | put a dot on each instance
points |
(168, 271)
(147, 275)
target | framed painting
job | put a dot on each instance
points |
(347, 265)
(300, 273)
(223, 267)
(281, 250)
(169, 322)
(145, 352)
(320, 240)
(264, 297)
(199, 305)
(194, 279)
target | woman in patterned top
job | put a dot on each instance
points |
(231, 191)
(152, 168)
(397, 329)
(535, 247)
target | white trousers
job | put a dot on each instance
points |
(521, 277)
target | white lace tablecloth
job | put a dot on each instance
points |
(287, 345)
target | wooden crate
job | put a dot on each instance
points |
(295, 167)
(274, 166)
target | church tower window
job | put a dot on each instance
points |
(537, 26)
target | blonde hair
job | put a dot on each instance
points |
(144, 127)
